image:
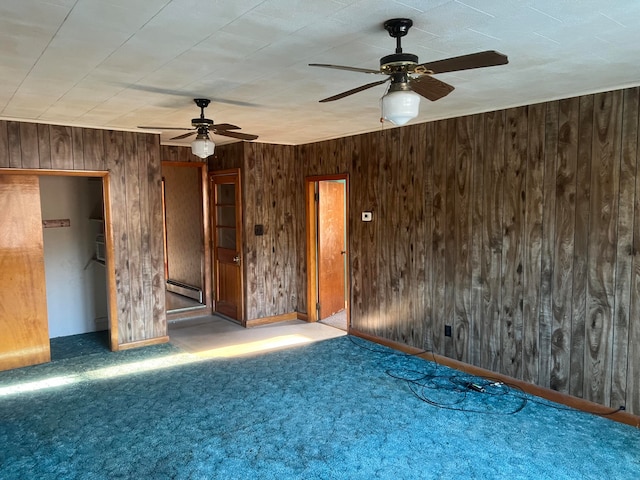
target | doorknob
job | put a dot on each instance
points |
(236, 259)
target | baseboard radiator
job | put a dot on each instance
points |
(185, 290)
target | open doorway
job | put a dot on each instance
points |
(73, 233)
(327, 252)
(186, 239)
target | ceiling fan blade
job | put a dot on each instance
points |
(239, 135)
(489, 58)
(354, 90)
(341, 67)
(166, 128)
(430, 87)
(184, 135)
(225, 126)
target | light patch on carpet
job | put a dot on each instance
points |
(158, 363)
(43, 384)
(131, 368)
(259, 346)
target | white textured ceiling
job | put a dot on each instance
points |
(124, 63)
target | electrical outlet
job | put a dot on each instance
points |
(447, 330)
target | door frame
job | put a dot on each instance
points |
(239, 238)
(112, 301)
(312, 244)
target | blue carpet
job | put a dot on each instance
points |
(328, 410)
(79, 345)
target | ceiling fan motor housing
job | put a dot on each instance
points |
(392, 63)
(202, 103)
(198, 122)
(398, 61)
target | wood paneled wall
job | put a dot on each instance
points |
(271, 189)
(520, 228)
(133, 162)
(227, 156)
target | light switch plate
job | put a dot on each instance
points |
(367, 216)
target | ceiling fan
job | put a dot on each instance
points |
(202, 146)
(409, 79)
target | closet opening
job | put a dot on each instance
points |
(73, 232)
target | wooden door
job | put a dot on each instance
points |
(24, 329)
(331, 248)
(227, 243)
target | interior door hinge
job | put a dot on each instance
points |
(316, 197)
(318, 307)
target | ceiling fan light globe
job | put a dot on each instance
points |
(400, 106)
(202, 147)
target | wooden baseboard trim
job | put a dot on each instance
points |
(303, 316)
(274, 319)
(186, 314)
(542, 392)
(144, 343)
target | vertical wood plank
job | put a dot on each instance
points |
(115, 163)
(153, 261)
(93, 149)
(358, 239)
(562, 278)
(286, 292)
(492, 239)
(605, 170)
(512, 267)
(624, 247)
(428, 137)
(580, 247)
(252, 191)
(450, 234)
(44, 145)
(61, 147)
(370, 263)
(533, 242)
(478, 280)
(548, 239)
(438, 234)
(462, 223)
(409, 300)
(15, 150)
(273, 173)
(393, 260)
(133, 180)
(418, 235)
(77, 145)
(147, 198)
(29, 145)
(299, 218)
(4, 145)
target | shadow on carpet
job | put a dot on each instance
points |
(336, 409)
(79, 345)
